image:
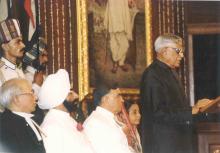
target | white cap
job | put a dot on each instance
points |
(54, 90)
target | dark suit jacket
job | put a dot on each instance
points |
(16, 136)
(166, 115)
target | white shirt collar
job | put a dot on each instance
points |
(23, 114)
(31, 69)
(8, 63)
(105, 112)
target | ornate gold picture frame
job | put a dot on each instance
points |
(83, 49)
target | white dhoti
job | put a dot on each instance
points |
(118, 22)
(119, 46)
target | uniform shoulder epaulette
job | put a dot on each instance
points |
(2, 63)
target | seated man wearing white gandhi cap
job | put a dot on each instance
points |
(101, 128)
(60, 128)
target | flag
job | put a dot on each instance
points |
(27, 7)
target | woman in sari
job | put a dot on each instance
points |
(130, 119)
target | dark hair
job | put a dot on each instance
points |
(98, 93)
(129, 103)
(1, 51)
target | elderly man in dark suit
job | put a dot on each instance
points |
(18, 132)
(166, 114)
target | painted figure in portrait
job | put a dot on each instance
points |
(116, 42)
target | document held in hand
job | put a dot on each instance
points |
(212, 107)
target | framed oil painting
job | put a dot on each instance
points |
(114, 43)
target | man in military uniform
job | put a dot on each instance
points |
(35, 62)
(12, 48)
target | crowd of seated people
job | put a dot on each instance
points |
(24, 91)
(59, 131)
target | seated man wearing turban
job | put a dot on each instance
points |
(58, 125)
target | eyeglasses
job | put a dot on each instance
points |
(177, 50)
(27, 93)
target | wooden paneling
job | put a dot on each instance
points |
(202, 11)
(208, 137)
(203, 28)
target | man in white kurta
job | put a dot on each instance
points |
(62, 134)
(60, 128)
(101, 129)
